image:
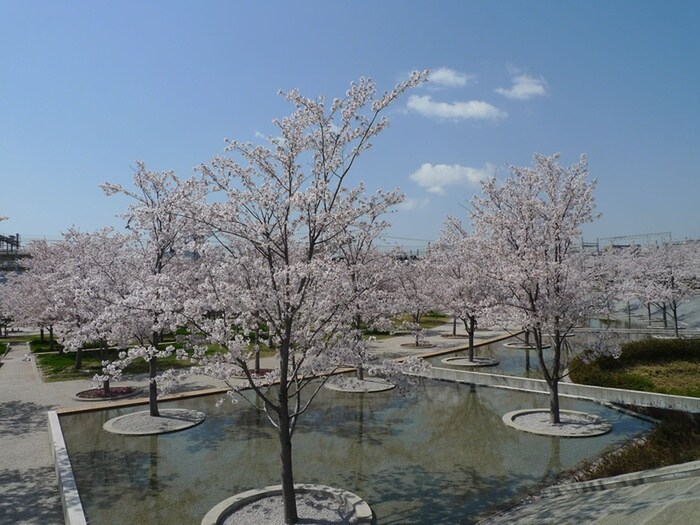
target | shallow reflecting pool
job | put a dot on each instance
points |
(441, 455)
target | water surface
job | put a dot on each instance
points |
(442, 455)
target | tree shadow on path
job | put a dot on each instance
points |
(21, 417)
(30, 497)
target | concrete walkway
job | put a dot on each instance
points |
(29, 493)
(653, 497)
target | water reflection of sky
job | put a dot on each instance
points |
(440, 455)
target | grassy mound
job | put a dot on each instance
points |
(667, 366)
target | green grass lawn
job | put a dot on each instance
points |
(61, 367)
(16, 338)
(666, 366)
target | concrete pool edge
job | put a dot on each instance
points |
(73, 512)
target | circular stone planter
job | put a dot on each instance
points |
(93, 394)
(335, 500)
(257, 374)
(573, 424)
(464, 361)
(360, 386)
(143, 424)
(524, 346)
(419, 346)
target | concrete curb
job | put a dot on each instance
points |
(143, 424)
(594, 425)
(217, 515)
(73, 513)
(478, 362)
(353, 385)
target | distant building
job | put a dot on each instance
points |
(10, 255)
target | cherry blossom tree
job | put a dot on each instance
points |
(98, 270)
(416, 279)
(529, 225)
(668, 274)
(30, 296)
(161, 239)
(282, 215)
(462, 287)
(370, 273)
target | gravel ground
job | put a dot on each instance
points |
(142, 423)
(313, 509)
(573, 424)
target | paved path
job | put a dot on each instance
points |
(29, 495)
(28, 492)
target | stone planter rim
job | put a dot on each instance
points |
(218, 514)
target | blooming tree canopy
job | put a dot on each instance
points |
(161, 239)
(30, 297)
(529, 225)
(282, 214)
(668, 274)
(462, 287)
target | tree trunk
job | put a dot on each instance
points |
(470, 326)
(550, 376)
(153, 387)
(629, 315)
(454, 326)
(527, 362)
(649, 312)
(674, 311)
(41, 334)
(79, 358)
(105, 383)
(52, 341)
(287, 474)
(554, 416)
(665, 314)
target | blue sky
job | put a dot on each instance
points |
(87, 88)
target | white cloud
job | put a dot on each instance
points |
(410, 204)
(472, 109)
(447, 77)
(524, 87)
(436, 177)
